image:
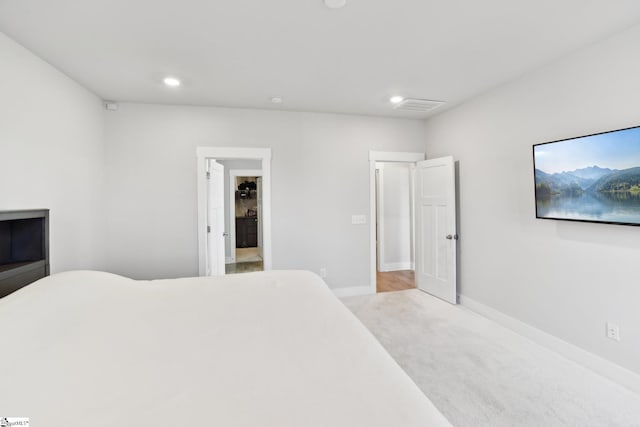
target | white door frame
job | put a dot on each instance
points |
(381, 156)
(233, 173)
(379, 213)
(227, 153)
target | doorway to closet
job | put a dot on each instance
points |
(225, 173)
(244, 219)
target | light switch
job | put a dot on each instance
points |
(358, 219)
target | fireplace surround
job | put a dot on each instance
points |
(24, 248)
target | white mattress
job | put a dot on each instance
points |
(259, 349)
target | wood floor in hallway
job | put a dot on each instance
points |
(395, 281)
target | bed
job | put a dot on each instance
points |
(259, 349)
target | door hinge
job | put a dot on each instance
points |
(208, 229)
(208, 175)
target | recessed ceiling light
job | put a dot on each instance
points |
(171, 81)
(396, 99)
(276, 100)
(335, 4)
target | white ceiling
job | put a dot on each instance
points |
(240, 53)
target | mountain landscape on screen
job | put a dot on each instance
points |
(593, 178)
(607, 190)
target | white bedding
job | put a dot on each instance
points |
(259, 349)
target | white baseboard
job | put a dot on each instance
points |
(394, 266)
(601, 366)
(352, 291)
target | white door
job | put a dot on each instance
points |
(436, 238)
(259, 213)
(215, 219)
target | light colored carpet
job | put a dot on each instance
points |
(481, 374)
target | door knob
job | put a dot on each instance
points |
(450, 236)
(225, 234)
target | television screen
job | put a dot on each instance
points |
(593, 178)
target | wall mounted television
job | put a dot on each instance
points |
(592, 178)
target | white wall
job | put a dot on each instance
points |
(320, 177)
(51, 154)
(565, 278)
(228, 220)
(394, 204)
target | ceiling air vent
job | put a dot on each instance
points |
(417, 105)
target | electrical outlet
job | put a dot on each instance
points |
(613, 331)
(323, 272)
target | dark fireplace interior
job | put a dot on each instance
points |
(21, 242)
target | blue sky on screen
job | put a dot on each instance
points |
(614, 150)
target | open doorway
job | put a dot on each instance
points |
(217, 209)
(377, 161)
(243, 214)
(395, 246)
(244, 248)
(433, 186)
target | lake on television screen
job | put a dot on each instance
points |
(592, 178)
